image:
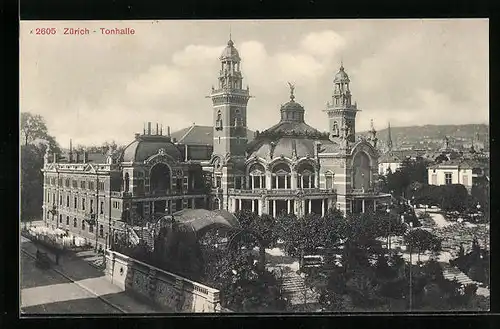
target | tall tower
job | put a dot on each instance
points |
(389, 138)
(230, 106)
(341, 112)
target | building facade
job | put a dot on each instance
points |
(290, 167)
(465, 172)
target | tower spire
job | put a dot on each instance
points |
(389, 137)
(230, 36)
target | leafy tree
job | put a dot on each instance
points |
(421, 240)
(33, 127)
(35, 139)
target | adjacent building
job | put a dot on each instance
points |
(465, 172)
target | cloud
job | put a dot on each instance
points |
(325, 43)
(101, 88)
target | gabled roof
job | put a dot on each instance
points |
(199, 135)
(462, 163)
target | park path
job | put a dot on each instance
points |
(451, 272)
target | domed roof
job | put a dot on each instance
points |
(145, 146)
(341, 76)
(230, 52)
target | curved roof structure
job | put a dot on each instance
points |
(230, 52)
(341, 75)
(290, 137)
(145, 146)
(199, 221)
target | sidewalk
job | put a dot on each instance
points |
(93, 280)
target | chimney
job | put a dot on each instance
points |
(77, 157)
(161, 130)
(55, 158)
(70, 158)
(149, 128)
(144, 128)
(168, 131)
(157, 131)
(85, 156)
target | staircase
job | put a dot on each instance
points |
(134, 238)
(296, 291)
(451, 273)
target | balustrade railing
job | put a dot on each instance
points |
(282, 191)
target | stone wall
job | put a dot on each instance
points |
(169, 291)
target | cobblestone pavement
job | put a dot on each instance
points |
(55, 290)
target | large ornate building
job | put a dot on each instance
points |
(290, 167)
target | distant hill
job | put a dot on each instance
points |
(431, 136)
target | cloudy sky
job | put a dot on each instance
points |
(103, 87)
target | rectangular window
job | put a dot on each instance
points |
(60, 200)
(91, 206)
(75, 184)
(218, 182)
(82, 184)
(83, 203)
(67, 201)
(447, 178)
(66, 183)
(102, 207)
(75, 202)
(75, 222)
(67, 220)
(91, 185)
(91, 228)
(434, 179)
(465, 180)
(179, 184)
(237, 183)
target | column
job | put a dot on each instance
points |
(253, 205)
(274, 208)
(260, 206)
(323, 207)
(310, 205)
(288, 206)
(268, 181)
(374, 205)
(239, 200)
(363, 206)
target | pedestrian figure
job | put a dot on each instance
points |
(37, 254)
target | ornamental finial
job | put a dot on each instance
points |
(292, 88)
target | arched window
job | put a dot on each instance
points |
(281, 177)
(329, 179)
(257, 176)
(218, 121)
(127, 181)
(238, 122)
(361, 175)
(160, 178)
(306, 177)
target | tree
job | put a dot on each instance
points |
(32, 127)
(35, 140)
(422, 240)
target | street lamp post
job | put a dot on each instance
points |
(389, 229)
(410, 272)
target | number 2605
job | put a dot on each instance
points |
(44, 31)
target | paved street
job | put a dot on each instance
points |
(74, 286)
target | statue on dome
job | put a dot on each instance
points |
(292, 88)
